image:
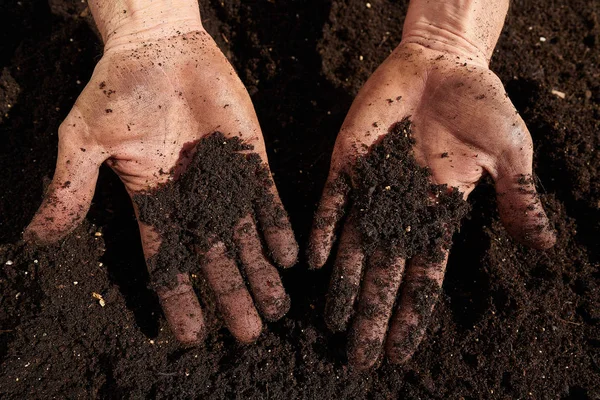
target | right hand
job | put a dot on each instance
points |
(147, 98)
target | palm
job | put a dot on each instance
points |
(457, 110)
(143, 105)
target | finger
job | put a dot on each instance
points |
(519, 205)
(272, 217)
(179, 303)
(277, 230)
(233, 300)
(182, 311)
(421, 286)
(521, 210)
(345, 280)
(265, 284)
(377, 297)
(329, 213)
(67, 199)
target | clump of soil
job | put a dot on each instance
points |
(397, 207)
(220, 186)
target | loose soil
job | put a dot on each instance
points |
(220, 186)
(392, 194)
(511, 322)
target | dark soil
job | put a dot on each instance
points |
(511, 322)
(218, 188)
(392, 194)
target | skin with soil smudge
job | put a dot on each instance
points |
(423, 294)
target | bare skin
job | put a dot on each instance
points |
(162, 83)
(465, 126)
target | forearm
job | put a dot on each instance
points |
(469, 28)
(128, 21)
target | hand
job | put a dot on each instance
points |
(151, 94)
(464, 126)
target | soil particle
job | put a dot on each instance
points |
(9, 92)
(423, 291)
(341, 298)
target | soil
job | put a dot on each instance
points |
(511, 322)
(392, 194)
(220, 186)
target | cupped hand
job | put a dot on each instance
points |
(145, 102)
(464, 126)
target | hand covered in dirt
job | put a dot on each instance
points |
(463, 127)
(151, 99)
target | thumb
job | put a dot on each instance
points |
(67, 199)
(328, 215)
(519, 204)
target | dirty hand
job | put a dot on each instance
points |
(464, 126)
(161, 84)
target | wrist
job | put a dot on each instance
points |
(130, 22)
(466, 28)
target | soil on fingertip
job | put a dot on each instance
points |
(222, 183)
(510, 322)
(420, 295)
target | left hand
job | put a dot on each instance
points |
(459, 107)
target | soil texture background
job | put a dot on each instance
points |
(511, 323)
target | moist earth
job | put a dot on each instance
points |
(510, 323)
(392, 194)
(220, 186)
